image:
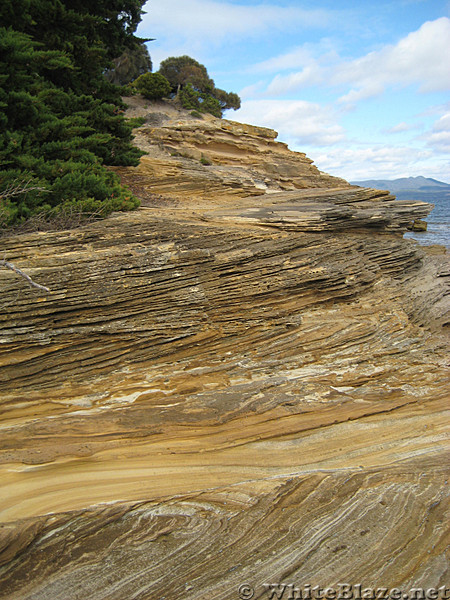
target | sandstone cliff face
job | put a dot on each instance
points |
(214, 159)
(242, 381)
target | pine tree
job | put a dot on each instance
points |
(61, 121)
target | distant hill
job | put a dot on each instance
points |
(405, 184)
(416, 188)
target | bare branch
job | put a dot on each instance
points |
(8, 265)
(20, 188)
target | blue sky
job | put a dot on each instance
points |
(361, 86)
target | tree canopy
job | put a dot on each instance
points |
(181, 70)
(130, 65)
(61, 121)
(194, 87)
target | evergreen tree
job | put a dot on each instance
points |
(194, 87)
(183, 70)
(130, 65)
(153, 86)
(191, 99)
(227, 99)
(61, 121)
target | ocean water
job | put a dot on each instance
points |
(438, 231)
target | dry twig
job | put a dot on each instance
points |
(11, 267)
(15, 189)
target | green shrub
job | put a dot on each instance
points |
(153, 86)
(129, 90)
(205, 160)
(61, 121)
(191, 99)
(211, 105)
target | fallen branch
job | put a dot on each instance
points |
(8, 265)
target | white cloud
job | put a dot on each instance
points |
(310, 61)
(370, 90)
(400, 128)
(297, 121)
(439, 136)
(215, 21)
(443, 124)
(300, 57)
(284, 84)
(435, 109)
(417, 59)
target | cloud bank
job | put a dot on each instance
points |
(418, 58)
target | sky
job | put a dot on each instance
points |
(361, 86)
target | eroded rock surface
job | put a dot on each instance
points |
(232, 384)
(215, 159)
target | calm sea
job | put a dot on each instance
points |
(438, 231)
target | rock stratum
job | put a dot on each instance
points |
(244, 381)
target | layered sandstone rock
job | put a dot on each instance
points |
(214, 159)
(224, 386)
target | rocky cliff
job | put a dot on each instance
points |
(244, 381)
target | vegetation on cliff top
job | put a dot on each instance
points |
(61, 120)
(186, 81)
(130, 65)
(62, 117)
(194, 87)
